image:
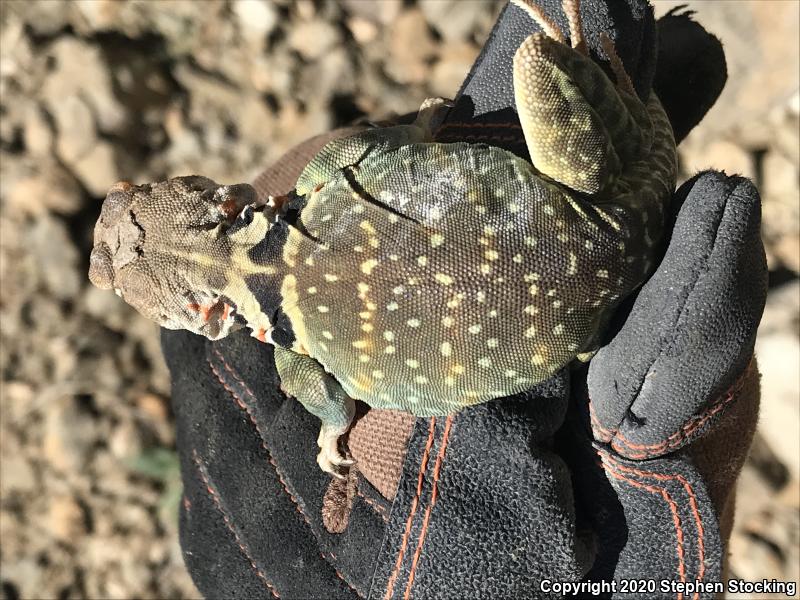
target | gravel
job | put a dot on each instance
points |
(93, 91)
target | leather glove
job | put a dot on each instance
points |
(622, 470)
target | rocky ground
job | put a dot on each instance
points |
(94, 91)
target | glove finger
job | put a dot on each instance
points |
(676, 363)
(687, 56)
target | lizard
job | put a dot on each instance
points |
(410, 274)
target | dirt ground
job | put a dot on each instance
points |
(94, 91)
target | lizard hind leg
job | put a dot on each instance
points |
(580, 129)
(321, 395)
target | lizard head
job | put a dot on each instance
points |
(165, 248)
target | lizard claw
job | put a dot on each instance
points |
(329, 458)
(327, 466)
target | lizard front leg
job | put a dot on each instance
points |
(349, 151)
(321, 395)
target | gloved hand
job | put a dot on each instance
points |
(506, 495)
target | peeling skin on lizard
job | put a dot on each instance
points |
(415, 275)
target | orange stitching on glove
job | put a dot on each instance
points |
(701, 548)
(422, 468)
(687, 428)
(338, 574)
(490, 138)
(478, 126)
(434, 492)
(242, 546)
(607, 433)
(619, 442)
(262, 438)
(676, 519)
(380, 510)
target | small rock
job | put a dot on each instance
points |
(66, 518)
(19, 60)
(57, 256)
(158, 553)
(781, 314)
(27, 577)
(778, 351)
(136, 519)
(781, 212)
(135, 575)
(97, 169)
(312, 39)
(780, 218)
(295, 126)
(456, 20)
(62, 357)
(69, 435)
(363, 30)
(154, 407)
(383, 12)
(125, 441)
(17, 475)
(787, 252)
(786, 131)
(44, 18)
(99, 15)
(105, 307)
(452, 68)
(254, 120)
(112, 478)
(147, 334)
(753, 560)
(330, 75)
(18, 397)
(305, 9)
(277, 72)
(103, 521)
(51, 189)
(411, 47)
(256, 18)
(77, 63)
(76, 131)
(781, 178)
(38, 135)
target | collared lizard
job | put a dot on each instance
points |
(414, 275)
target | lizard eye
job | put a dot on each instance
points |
(206, 226)
(246, 216)
(231, 200)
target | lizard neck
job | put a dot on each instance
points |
(255, 272)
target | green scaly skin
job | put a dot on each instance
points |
(413, 275)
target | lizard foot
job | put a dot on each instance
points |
(431, 114)
(620, 74)
(572, 10)
(329, 458)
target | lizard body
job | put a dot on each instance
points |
(414, 275)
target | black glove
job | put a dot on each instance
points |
(508, 494)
